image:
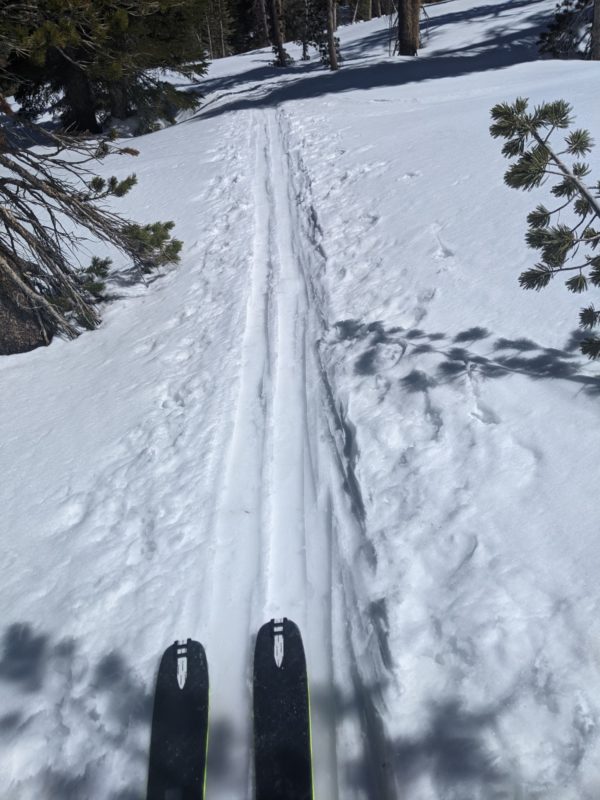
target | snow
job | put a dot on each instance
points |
(339, 407)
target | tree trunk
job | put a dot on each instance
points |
(277, 33)
(262, 23)
(365, 9)
(331, 43)
(21, 328)
(80, 114)
(117, 93)
(596, 32)
(223, 46)
(305, 56)
(209, 39)
(408, 27)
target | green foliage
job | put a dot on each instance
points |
(151, 245)
(309, 28)
(528, 137)
(218, 28)
(98, 58)
(46, 224)
(569, 34)
(100, 187)
(93, 279)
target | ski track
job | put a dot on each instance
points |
(289, 507)
(272, 549)
(263, 506)
(415, 435)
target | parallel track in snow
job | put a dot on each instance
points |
(284, 522)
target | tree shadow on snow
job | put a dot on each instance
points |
(524, 40)
(487, 11)
(380, 349)
(54, 686)
(24, 657)
(502, 48)
(452, 752)
(111, 701)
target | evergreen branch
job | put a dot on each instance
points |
(533, 166)
(62, 324)
(581, 187)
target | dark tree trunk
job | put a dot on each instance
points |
(596, 32)
(331, 43)
(305, 55)
(277, 33)
(20, 326)
(262, 23)
(363, 10)
(119, 106)
(408, 27)
(211, 52)
(80, 114)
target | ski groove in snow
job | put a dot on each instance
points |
(358, 730)
(270, 539)
(289, 505)
(401, 454)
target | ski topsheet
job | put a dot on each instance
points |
(282, 746)
(179, 725)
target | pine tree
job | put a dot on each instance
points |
(570, 33)
(217, 28)
(364, 9)
(261, 23)
(95, 57)
(277, 29)
(318, 31)
(51, 204)
(575, 238)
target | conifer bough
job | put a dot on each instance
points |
(571, 244)
(50, 208)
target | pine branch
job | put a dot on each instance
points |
(49, 208)
(536, 161)
(582, 188)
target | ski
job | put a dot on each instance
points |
(179, 736)
(282, 740)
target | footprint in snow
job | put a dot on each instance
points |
(410, 176)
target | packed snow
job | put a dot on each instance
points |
(340, 408)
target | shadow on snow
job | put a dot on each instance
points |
(451, 751)
(502, 48)
(505, 356)
(73, 691)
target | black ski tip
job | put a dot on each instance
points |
(282, 746)
(179, 724)
(287, 624)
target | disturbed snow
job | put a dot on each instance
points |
(339, 408)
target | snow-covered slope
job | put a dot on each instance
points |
(341, 408)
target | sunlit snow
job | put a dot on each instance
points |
(340, 407)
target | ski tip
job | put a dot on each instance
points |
(277, 637)
(279, 624)
(277, 627)
(179, 657)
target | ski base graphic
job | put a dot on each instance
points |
(179, 737)
(282, 741)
